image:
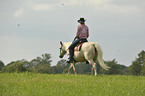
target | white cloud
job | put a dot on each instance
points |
(114, 7)
(98, 2)
(71, 2)
(42, 7)
(19, 12)
(122, 10)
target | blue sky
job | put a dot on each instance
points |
(30, 28)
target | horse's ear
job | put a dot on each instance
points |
(61, 43)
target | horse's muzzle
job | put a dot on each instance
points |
(60, 56)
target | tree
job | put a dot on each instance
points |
(138, 64)
(124, 70)
(45, 59)
(39, 64)
(17, 66)
(141, 57)
(114, 68)
(143, 69)
(43, 68)
(42, 64)
(83, 68)
(60, 67)
(1, 64)
(135, 68)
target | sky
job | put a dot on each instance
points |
(30, 28)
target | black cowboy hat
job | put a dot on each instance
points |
(82, 20)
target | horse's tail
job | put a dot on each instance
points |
(100, 55)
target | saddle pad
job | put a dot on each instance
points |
(78, 47)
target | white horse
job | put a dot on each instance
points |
(90, 51)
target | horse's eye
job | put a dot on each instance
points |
(60, 48)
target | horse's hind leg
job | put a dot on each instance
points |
(93, 66)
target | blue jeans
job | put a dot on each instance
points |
(73, 45)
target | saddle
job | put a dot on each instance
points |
(79, 46)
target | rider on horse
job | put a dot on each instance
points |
(81, 36)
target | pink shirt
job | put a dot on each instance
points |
(82, 31)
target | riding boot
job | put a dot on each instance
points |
(87, 62)
(71, 50)
(71, 54)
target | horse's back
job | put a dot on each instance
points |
(88, 44)
(88, 47)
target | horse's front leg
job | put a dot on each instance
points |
(92, 71)
(74, 67)
(70, 68)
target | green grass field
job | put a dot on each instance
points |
(30, 84)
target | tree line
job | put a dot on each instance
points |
(43, 65)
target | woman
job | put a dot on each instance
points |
(81, 36)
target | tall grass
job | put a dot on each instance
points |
(30, 84)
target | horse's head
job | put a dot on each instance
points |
(62, 50)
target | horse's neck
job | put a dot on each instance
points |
(66, 45)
